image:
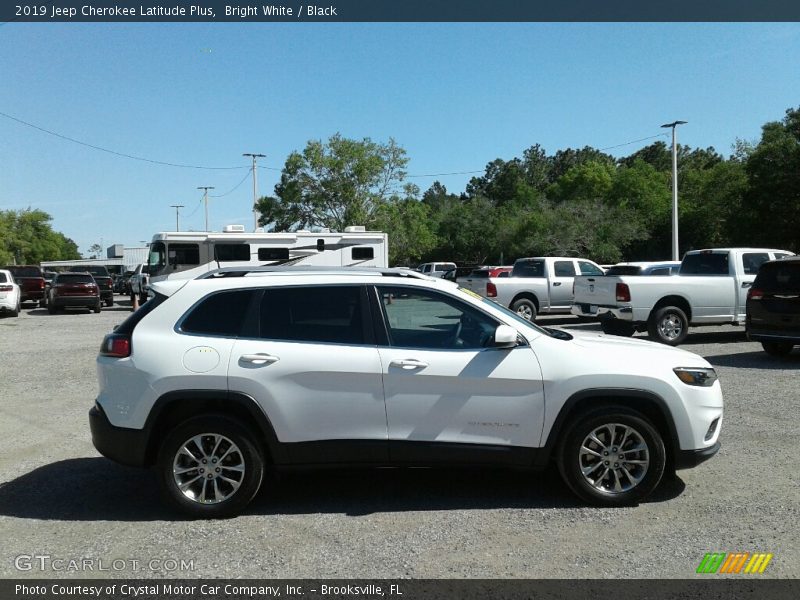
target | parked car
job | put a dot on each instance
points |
(71, 290)
(540, 285)
(139, 283)
(103, 279)
(10, 294)
(644, 268)
(710, 289)
(30, 279)
(476, 279)
(217, 379)
(773, 306)
(436, 269)
(458, 272)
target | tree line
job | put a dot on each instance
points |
(576, 202)
(27, 237)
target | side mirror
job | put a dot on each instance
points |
(505, 336)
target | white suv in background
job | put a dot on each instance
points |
(216, 379)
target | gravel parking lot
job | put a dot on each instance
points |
(58, 497)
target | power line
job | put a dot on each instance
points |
(234, 188)
(114, 152)
(652, 137)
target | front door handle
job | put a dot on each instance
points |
(556, 283)
(408, 363)
(259, 359)
(747, 284)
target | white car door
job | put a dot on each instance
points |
(446, 386)
(316, 372)
(561, 280)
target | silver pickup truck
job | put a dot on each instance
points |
(710, 289)
(539, 285)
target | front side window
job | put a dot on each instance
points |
(183, 254)
(423, 319)
(324, 314)
(222, 314)
(752, 261)
(565, 268)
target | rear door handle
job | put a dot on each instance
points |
(408, 363)
(259, 359)
(747, 284)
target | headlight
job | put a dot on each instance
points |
(696, 376)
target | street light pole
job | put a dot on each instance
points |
(675, 250)
(255, 187)
(205, 199)
(177, 223)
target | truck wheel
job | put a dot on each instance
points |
(668, 325)
(42, 303)
(612, 457)
(525, 308)
(777, 348)
(210, 466)
(620, 328)
(109, 302)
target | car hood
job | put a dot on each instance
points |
(597, 342)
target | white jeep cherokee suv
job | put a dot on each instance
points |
(216, 379)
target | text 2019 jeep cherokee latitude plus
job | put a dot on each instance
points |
(218, 378)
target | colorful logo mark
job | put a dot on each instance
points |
(734, 562)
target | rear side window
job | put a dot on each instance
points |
(3, 278)
(660, 271)
(624, 270)
(273, 254)
(705, 263)
(442, 266)
(752, 261)
(565, 268)
(230, 252)
(779, 277)
(528, 268)
(222, 314)
(323, 314)
(363, 253)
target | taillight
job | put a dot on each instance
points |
(755, 294)
(623, 292)
(116, 346)
(6, 288)
(491, 290)
(41, 284)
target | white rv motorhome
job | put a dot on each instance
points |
(188, 254)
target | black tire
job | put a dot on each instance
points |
(109, 302)
(96, 309)
(133, 297)
(777, 348)
(248, 453)
(51, 308)
(571, 462)
(668, 325)
(43, 303)
(525, 308)
(614, 327)
(15, 312)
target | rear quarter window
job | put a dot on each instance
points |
(220, 314)
(528, 268)
(709, 263)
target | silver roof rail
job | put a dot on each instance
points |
(311, 270)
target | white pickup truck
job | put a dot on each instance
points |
(539, 285)
(139, 283)
(710, 289)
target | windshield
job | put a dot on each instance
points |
(157, 259)
(25, 271)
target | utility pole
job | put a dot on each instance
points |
(675, 250)
(177, 223)
(205, 199)
(255, 187)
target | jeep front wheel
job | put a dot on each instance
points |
(612, 458)
(210, 466)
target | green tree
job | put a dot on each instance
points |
(771, 204)
(26, 237)
(334, 184)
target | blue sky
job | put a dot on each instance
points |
(455, 96)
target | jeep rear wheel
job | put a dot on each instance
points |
(210, 466)
(612, 458)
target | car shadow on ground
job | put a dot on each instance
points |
(756, 360)
(97, 489)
